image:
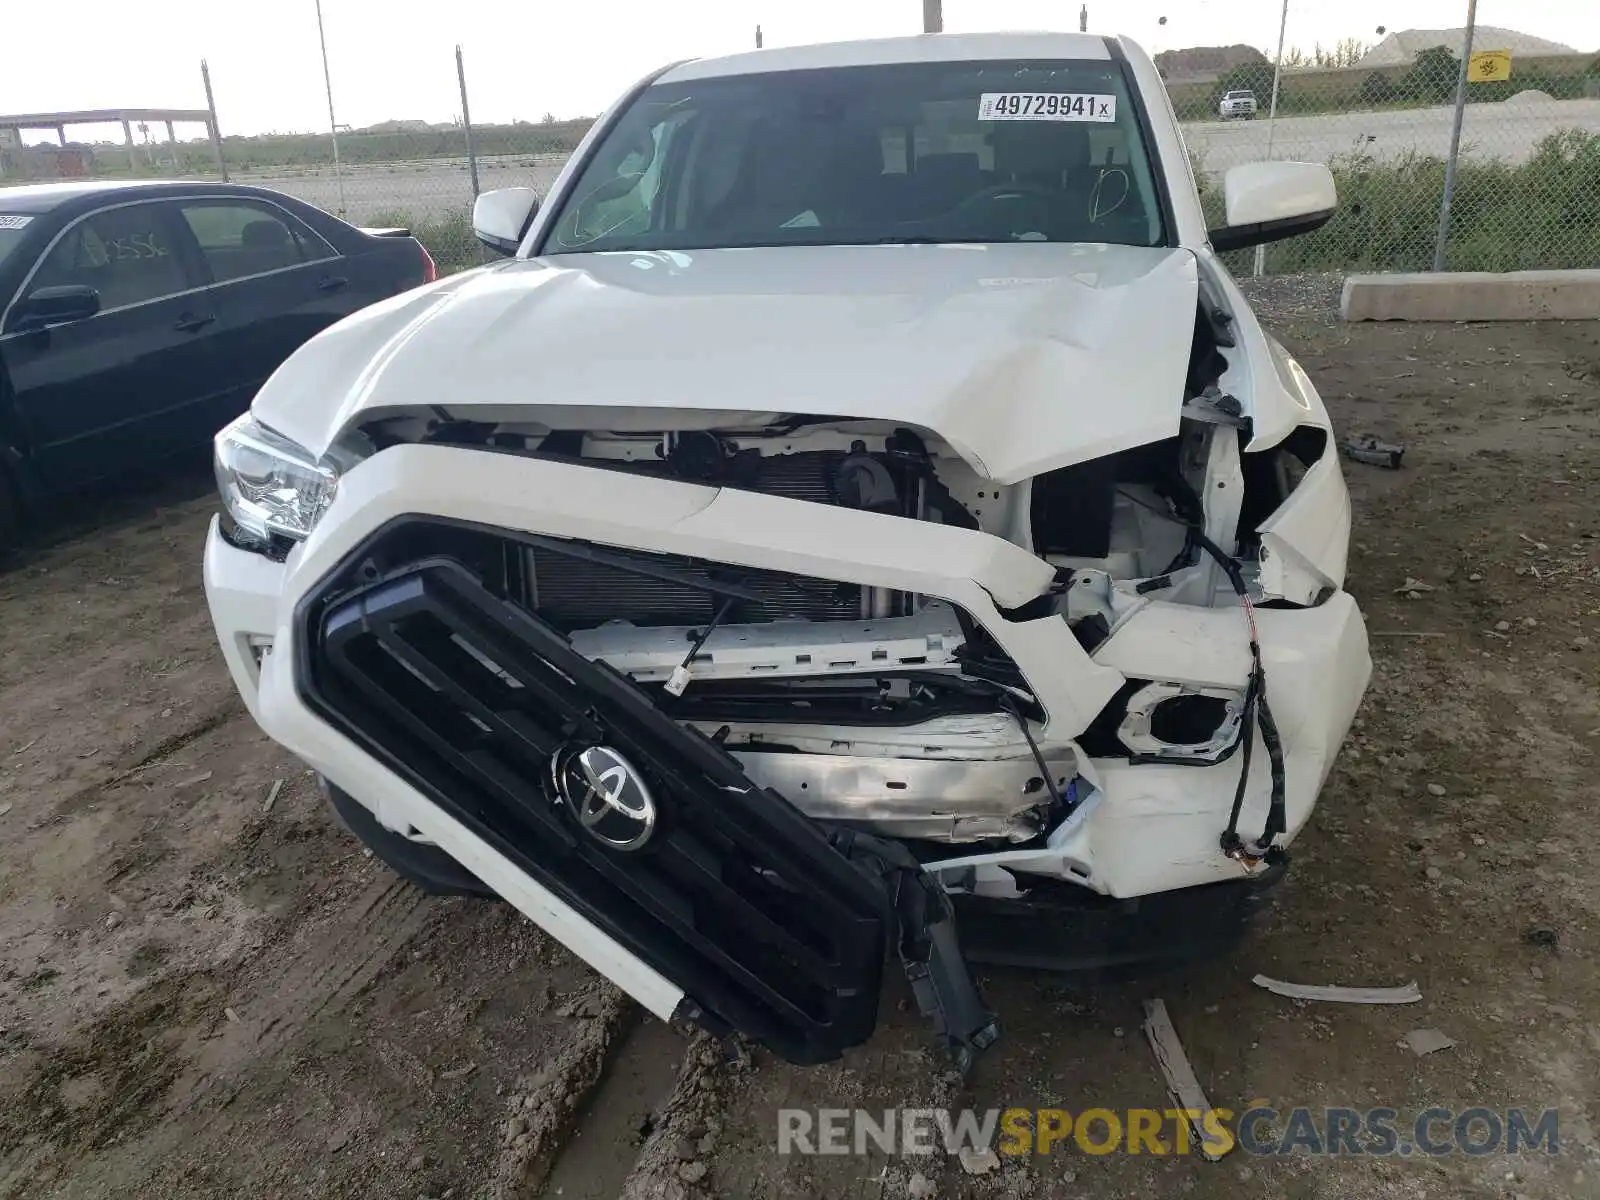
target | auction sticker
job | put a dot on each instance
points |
(1046, 106)
(14, 220)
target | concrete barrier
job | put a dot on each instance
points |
(1474, 296)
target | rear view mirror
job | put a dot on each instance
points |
(501, 217)
(57, 306)
(1270, 201)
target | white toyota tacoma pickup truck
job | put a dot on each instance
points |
(861, 520)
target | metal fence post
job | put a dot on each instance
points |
(1455, 140)
(466, 123)
(1272, 119)
(333, 124)
(211, 124)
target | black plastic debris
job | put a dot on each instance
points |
(1367, 449)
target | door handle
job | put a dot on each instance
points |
(192, 322)
(332, 283)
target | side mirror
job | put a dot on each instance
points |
(1270, 201)
(501, 217)
(57, 306)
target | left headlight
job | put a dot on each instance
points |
(271, 487)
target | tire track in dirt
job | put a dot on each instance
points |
(229, 710)
(317, 978)
(544, 1108)
(316, 970)
(671, 1164)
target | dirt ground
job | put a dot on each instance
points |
(206, 988)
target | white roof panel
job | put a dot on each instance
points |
(928, 47)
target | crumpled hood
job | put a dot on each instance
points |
(1023, 357)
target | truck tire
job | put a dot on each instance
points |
(429, 867)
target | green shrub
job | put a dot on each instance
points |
(1433, 75)
(1378, 88)
(1544, 213)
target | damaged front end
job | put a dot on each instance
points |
(742, 704)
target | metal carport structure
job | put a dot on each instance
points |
(127, 118)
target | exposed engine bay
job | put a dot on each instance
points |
(895, 712)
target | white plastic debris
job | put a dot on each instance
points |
(1181, 1081)
(1407, 994)
(1426, 1041)
(978, 1162)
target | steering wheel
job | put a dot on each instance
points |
(1008, 191)
(1037, 211)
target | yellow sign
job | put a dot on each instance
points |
(1489, 66)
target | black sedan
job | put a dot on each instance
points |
(138, 318)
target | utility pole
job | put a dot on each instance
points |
(1272, 116)
(932, 16)
(1083, 19)
(333, 125)
(211, 124)
(1455, 139)
(466, 124)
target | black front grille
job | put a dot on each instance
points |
(738, 897)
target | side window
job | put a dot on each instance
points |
(123, 253)
(239, 238)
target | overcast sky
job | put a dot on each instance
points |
(393, 60)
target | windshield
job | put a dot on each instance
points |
(914, 152)
(13, 227)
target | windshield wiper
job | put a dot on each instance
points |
(923, 240)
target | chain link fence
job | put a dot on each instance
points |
(1526, 194)
(1527, 187)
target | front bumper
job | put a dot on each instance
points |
(1153, 828)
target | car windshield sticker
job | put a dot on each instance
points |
(1046, 106)
(13, 220)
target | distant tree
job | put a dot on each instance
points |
(1378, 88)
(1347, 52)
(1295, 57)
(1432, 77)
(548, 119)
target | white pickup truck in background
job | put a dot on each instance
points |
(1238, 104)
(861, 507)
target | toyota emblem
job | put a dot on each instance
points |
(610, 797)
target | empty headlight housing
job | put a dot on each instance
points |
(1149, 721)
(273, 490)
(1177, 722)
